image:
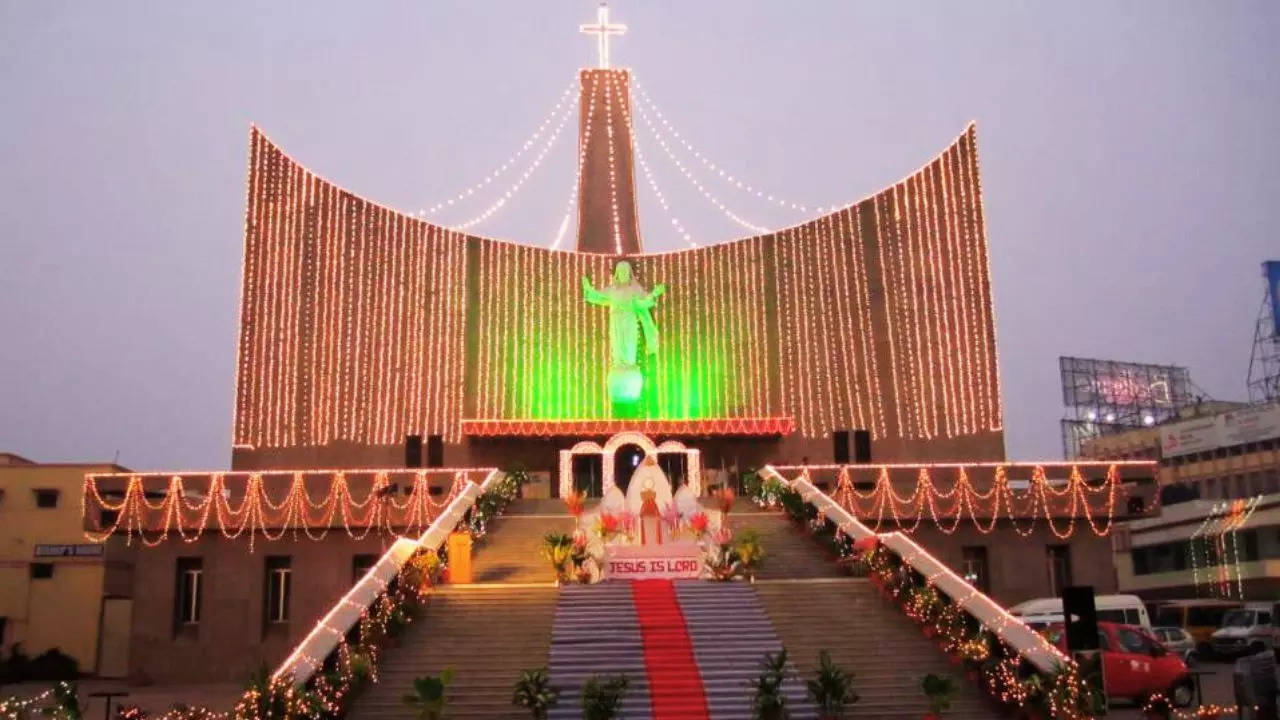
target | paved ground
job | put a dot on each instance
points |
(153, 698)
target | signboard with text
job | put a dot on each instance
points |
(652, 562)
(78, 550)
(1251, 424)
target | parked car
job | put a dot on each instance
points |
(1198, 616)
(1178, 641)
(1126, 609)
(1245, 630)
(1135, 665)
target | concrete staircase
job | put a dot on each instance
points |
(511, 552)
(487, 634)
(789, 552)
(731, 634)
(877, 643)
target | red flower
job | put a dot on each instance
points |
(866, 544)
(698, 521)
(574, 502)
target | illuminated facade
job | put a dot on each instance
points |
(361, 325)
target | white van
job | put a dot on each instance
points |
(1245, 630)
(1125, 609)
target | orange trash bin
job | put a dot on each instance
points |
(459, 548)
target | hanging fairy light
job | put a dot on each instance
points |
(498, 172)
(702, 190)
(192, 504)
(1059, 504)
(515, 187)
(716, 170)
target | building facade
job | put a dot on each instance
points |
(1223, 451)
(58, 590)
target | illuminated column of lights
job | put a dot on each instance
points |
(795, 397)
(242, 354)
(275, 336)
(583, 143)
(853, 376)
(819, 316)
(613, 175)
(937, 308)
(514, 157)
(484, 355)
(718, 171)
(960, 292)
(907, 257)
(927, 370)
(458, 334)
(945, 321)
(871, 371)
(902, 309)
(702, 190)
(889, 309)
(416, 422)
(955, 294)
(515, 186)
(991, 368)
(756, 292)
(799, 317)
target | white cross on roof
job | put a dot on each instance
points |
(602, 29)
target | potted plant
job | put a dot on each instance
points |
(533, 691)
(602, 696)
(750, 553)
(938, 689)
(558, 548)
(767, 700)
(831, 688)
(429, 698)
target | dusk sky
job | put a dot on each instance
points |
(1130, 160)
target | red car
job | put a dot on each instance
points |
(1136, 665)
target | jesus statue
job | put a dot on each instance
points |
(629, 317)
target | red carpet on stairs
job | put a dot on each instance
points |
(674, 682)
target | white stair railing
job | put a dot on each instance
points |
(1015, 633)
(332, 629)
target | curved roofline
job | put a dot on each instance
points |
(971, 126)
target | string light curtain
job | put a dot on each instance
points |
(361, 324)
(902, 497)
(269, 506)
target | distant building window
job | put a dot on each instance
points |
(1059, 561)
(41, 571)
(46, 498)
(277, 588)
(190, 591)
(360, 566)
(975, 567)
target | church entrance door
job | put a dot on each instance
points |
(625, 461)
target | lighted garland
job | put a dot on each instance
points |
(1058, 506)
(191, 512)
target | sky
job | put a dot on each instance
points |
(1129, 157)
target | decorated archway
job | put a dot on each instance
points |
(607, 453)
